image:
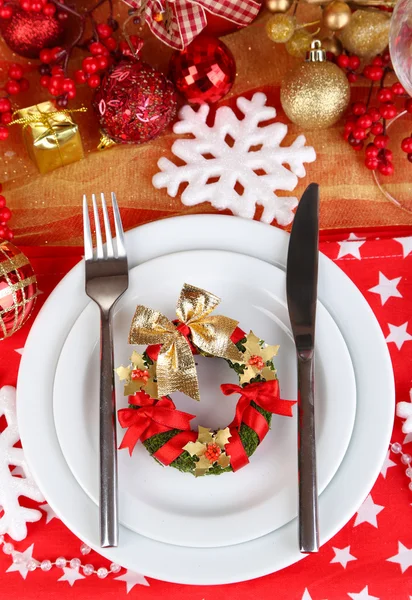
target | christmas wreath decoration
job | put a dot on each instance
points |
(167, 365)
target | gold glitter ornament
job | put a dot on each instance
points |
(278, 6)
(336, 15)
(280, 28)
(317, 93)
(367, 33)
(332, 45)
(299, 43)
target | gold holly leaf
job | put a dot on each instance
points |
(252, 345)
(248, 374)
(268, 352)
(138, 362)
(222, 437)
(268, 374)
(202, 466)
(223, 461)
(195, 448)
(123, 373)
(133, 386)
(204, 435)
(151, 388)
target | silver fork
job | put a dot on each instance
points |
(107, 278)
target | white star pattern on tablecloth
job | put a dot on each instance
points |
(406, 243)
(386, 288)
(387, 465)
(398, 334)
(306, 595)
(19, 351)
(368, 512)
(22, 568)
(403, 558)
(351, 246)
(50, 514)
(132, 579)
(363, 595)
(408, 438)
(342, 556)
(71, 575)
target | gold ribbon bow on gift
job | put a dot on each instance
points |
(176, 369)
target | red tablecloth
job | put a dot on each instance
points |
(369, 559)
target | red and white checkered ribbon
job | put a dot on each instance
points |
(188, 17)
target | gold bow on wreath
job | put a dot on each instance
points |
(176, 369)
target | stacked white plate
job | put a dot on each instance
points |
(173, 526)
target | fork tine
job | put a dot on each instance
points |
(121, 248)
(99, 243)
(109, 242)
(88, 247)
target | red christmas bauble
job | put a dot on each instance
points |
(18, 289)
(134, 103)
(204, 71)
(26, 33)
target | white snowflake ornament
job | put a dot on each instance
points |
(404, 411)
(15, 517)
(236, 164)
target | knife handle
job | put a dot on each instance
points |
(308, 490)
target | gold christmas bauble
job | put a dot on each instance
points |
(367, 33)
(336, 15)
(299, 43)
(278, 6)
(316, 94)
(332, 45)
(280, 28)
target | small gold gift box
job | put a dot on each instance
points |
(51, 136)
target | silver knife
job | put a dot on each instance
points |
(301, 290)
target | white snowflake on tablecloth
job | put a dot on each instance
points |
(404, 411)
(236, 164)
(15, 517)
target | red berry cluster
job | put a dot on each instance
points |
(15, 84)
(5, 215)
(34, 6)
(406, 146)
(350, 64)
(212, 453)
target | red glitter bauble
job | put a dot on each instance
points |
(27, 33)
(204, 71)
(134, 103)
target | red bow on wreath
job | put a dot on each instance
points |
(178, 22)
(152, 417)
(266, 395)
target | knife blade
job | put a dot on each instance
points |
(301, 291)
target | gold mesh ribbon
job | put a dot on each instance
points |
(176, 369)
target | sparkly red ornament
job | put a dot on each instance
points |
(134, 103)
(27, 33)
(18, 289)
(205, 71)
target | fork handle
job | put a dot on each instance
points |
(109, 528)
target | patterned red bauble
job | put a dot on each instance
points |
(18, 289)
(134, 103)
(26, 33)
(204, 71)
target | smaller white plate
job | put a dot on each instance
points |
(162, 503)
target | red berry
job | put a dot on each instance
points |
(377, 128)
(71, 94)
(36, 7)
(388, 110)
(56, 52)
(343, 61)
(398, 89)
(61, 101)
(6, 118)
(385, 95)
(2, 232)
(377, 61)
(352, 77)
(408, 105)
(5, 105)
(349, 126)
(386, 155)
(409, 157)
(373, 73)
(5, 214)
(104, 31)
(374, 114)
(80, 76)
(110, 43)
(371, 151)
(406, 145)
(44, 81)
(354, 62)
(93, 81)
(49, 10)
(24, 84)
(2, 201)
(381, 141)
(46, 56)
(359, 133)
(12, 87)
(16, 72)
(4, 133)
(103, 62)
(359, 108)
(57, 70)
(364, 121)
(90, 65)
(358, 146)
(68, 85)
(25, 5)
(97, 48)
(9, 234)
(386, 168)
(371, 163)
(5, 13)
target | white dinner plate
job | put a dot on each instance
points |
(232, 508)
(339, 501)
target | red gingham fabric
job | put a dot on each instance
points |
(188, 18)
